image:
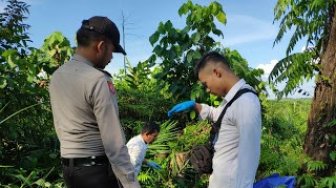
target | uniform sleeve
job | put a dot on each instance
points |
(248, 121)
(111, 133)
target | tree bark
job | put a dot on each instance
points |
(319, 142)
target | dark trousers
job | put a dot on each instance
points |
(100, 176)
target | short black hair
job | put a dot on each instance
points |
(150, 128)
(84, 37)
(210, 56)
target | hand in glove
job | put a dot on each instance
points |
(187, 105)
(153, 165)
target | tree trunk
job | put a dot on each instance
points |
(320, 137)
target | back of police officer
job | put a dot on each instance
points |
(85, 112)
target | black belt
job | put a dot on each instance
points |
(88, 161)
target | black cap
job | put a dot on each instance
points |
(106, 27)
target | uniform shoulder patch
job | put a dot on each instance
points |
(111, 87)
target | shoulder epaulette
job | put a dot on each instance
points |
(105, 72)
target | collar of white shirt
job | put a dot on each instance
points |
(140, 138)
(235, 88)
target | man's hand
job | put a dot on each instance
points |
(187, 105)
(153, 165)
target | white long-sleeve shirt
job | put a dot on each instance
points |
(137, 150)
(237, 146)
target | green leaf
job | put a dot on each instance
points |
(190, 56)
(316, 165)
(329, 182)
(161, 28)
(6, 166)
(168, 25)
(177, 50)
(40, 182)
(217, 32)
(53, 155)
(183, 9)
(19, 111)
(196, 37)
(332, 155)
(10, 62)
(30, 78)
(214, 8)
(10, 56)
(331, 123)
(221, 17)
(293, 69)
(192, 114)
(154, 38)
(158, 50)
(3, 83)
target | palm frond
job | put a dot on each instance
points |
(19, 111)
(168, 133)
(308, 17)
(294, 70)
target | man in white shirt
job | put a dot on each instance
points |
(137, 146)
(237, 144)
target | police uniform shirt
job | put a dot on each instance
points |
(86, 117)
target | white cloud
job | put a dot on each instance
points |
(268, 66)
(246, 29)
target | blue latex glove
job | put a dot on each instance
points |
(187, 105)
(274, 181)
(153, 165)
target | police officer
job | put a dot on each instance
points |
(85, 112)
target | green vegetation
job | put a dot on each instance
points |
(314, 22)
(29, 149)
